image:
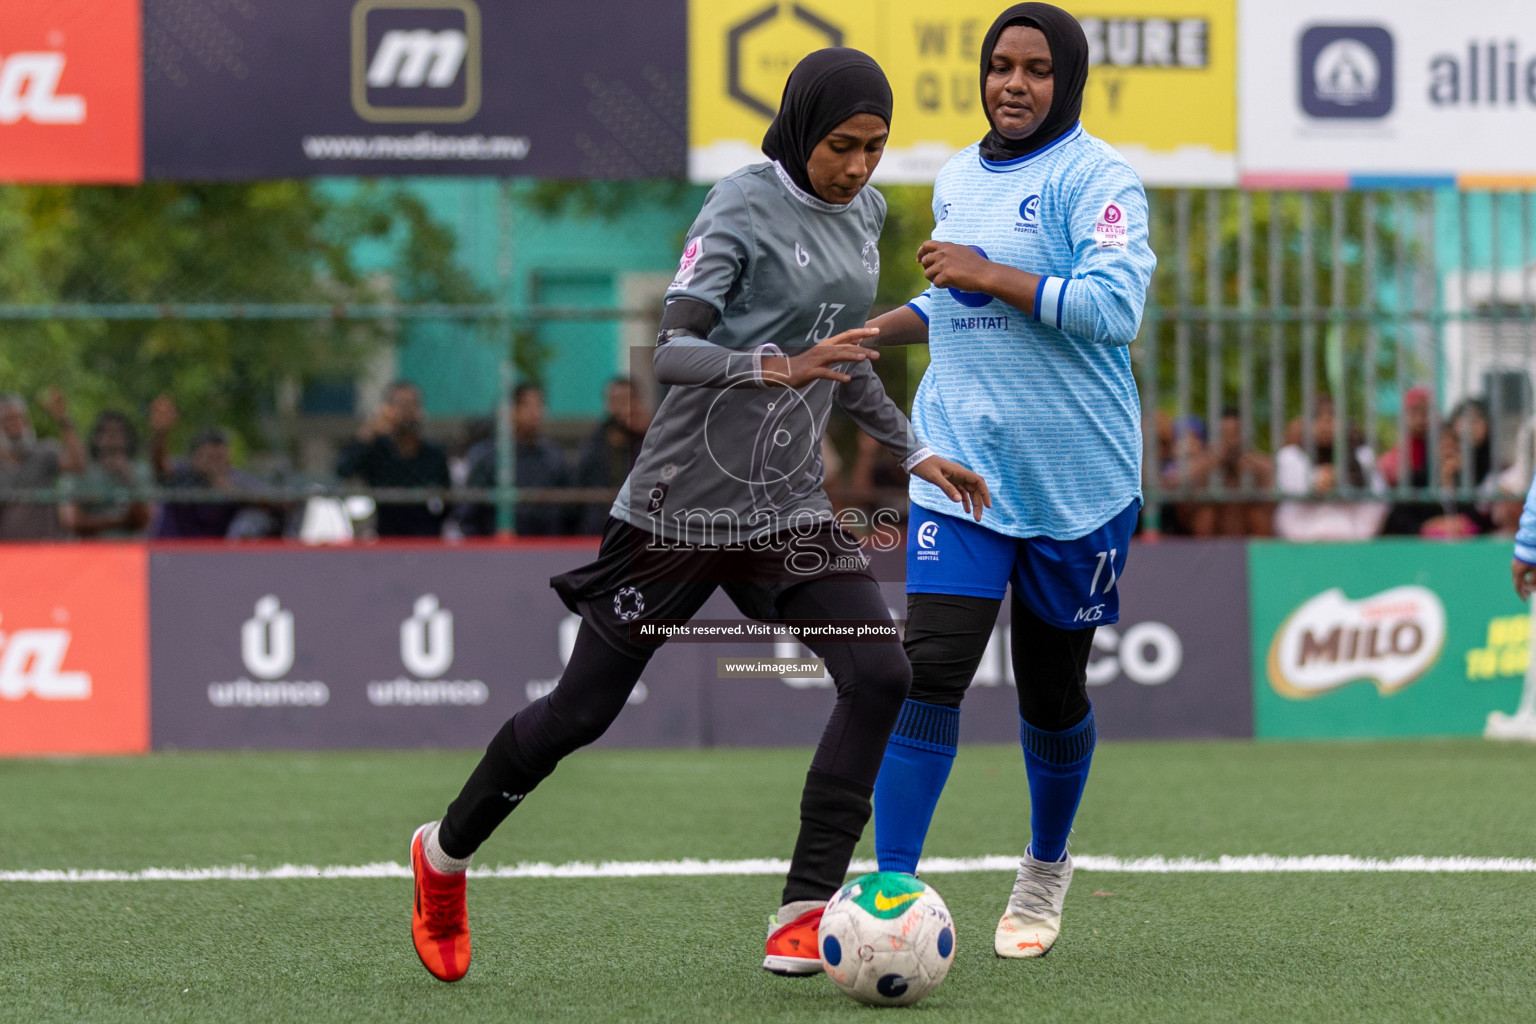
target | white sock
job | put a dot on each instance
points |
(440, 861)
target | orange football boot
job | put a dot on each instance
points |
(794, 949)
(439, 916)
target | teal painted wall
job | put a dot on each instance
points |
(560, 259)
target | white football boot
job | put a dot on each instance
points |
(1032, 922)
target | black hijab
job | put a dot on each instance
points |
(1069, 55)
(826, 88)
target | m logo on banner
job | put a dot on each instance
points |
(401, 46)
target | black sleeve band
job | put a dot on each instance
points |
(687, 315)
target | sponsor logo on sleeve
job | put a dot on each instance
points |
(1109, 229)
(1389, 639)
(685, 266)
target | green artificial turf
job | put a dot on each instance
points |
(1136, 947)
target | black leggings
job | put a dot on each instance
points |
(947, 634)
(871, 680)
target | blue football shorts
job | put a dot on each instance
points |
(1071, 584)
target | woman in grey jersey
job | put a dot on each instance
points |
(761, 335)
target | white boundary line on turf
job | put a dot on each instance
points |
(1258, 864)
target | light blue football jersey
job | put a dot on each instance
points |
(1040, 401)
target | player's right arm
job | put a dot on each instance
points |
(1523, 567)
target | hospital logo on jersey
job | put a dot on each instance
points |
(1109, 229)
(1029, 216)
(871, 257)
(928, 541)
(685, 266)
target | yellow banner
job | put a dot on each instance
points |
(1162, 88)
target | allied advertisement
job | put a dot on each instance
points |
(70, 91)
(294, 88)
(1161, 87)
(1338, 93)
(73, 658)
(1390, 638)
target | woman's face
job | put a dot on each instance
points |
(841, 163)
(1021, 80)
(1474, 424)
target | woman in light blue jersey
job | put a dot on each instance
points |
(1039, 267)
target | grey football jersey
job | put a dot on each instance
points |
(727, 459)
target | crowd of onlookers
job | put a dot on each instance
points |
(1354, 493)
(1213, 481)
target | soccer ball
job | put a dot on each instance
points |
(887, 939)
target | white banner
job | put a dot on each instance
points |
(1362, 92)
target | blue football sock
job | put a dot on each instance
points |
(1057, 765)
(916, 766)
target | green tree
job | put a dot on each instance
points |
(259, 242)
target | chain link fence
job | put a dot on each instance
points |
(1347, 349)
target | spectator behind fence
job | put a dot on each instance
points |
(1416, 416)
(1469, 433)
(1234, 466)
(1309, 515)
(537, 463)
(390, 451)
(114, 463)
(1228, 464)
(1449, 517)
(26, 462)
(609, 454)
(207, 467)
(1514, 478)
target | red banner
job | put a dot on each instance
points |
(74, 649)
(71, 91)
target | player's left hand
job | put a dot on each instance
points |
(1525, 578)
(948, 265)
(959, 483)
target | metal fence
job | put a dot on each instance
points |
(1322, 312)
(1294, 320)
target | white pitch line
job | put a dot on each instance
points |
(1256, 864)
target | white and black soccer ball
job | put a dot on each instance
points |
(887, 939)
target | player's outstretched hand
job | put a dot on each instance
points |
(1525, 578)
(817, 361)
(948, 265)
(959, 483)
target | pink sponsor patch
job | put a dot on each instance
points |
(1109, 230)
(691, 254)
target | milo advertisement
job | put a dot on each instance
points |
(1390, 638)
